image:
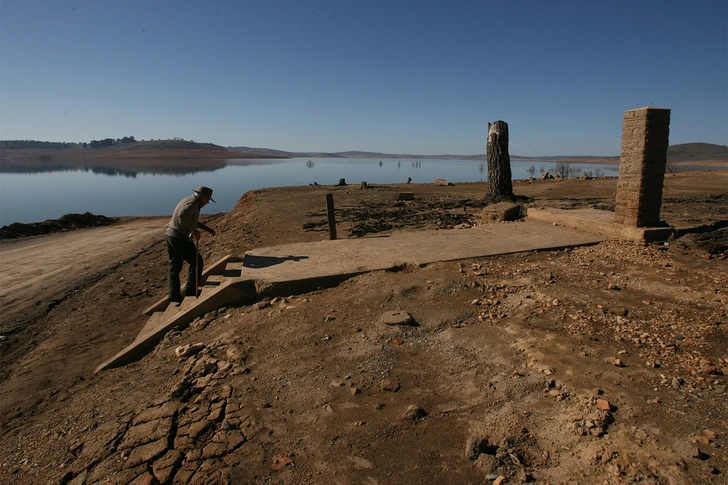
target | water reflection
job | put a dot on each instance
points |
(129, 168)
(47, 189)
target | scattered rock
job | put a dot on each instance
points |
(414, 413)
(501, 212)
(185, 351)
(699, 454)
(397, 317)
(603, 405)
(390, 385)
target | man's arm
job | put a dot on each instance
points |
(205, 228)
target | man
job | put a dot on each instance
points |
(180, 230)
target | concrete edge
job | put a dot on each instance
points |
(600, 224)
(218, 267)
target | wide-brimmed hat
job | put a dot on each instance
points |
(206, 191)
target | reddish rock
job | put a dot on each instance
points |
(603, 405)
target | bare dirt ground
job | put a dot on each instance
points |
(601, 364)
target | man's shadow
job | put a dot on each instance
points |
(257, 262)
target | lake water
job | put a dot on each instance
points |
(35, 197)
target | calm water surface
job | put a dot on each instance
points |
(34, 197)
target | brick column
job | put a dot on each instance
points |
(645, 137)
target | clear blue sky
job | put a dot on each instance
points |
(422, 77)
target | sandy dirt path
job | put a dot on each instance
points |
(35, 271)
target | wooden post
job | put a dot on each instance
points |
(500, 185)
(332, 218)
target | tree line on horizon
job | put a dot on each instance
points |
(60, 145)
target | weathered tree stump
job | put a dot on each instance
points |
(500, 185)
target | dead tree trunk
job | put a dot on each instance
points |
(500, 185)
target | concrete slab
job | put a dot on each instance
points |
(297, 268)
(599, 222)
(303, 261)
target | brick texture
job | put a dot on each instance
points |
(645, 138)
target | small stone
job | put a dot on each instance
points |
(390, 385)
(698, 453)
(184, 351)
(617, 362)
(603, 405)
(354, 391)
(414, 413)
(709, 434)
(710, 370)
(676, 382)
(397, 318)
(700, 439)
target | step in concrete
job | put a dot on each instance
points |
(231, 291)
(233, 269)
(216, 268)
(214, 280)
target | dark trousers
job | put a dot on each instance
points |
(179, 251)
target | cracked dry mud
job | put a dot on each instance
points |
(600, 364)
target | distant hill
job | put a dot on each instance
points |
(270, 152)
(165, 145)
(691, 152)
(124, 148)
(683, 153)
(687, 152)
